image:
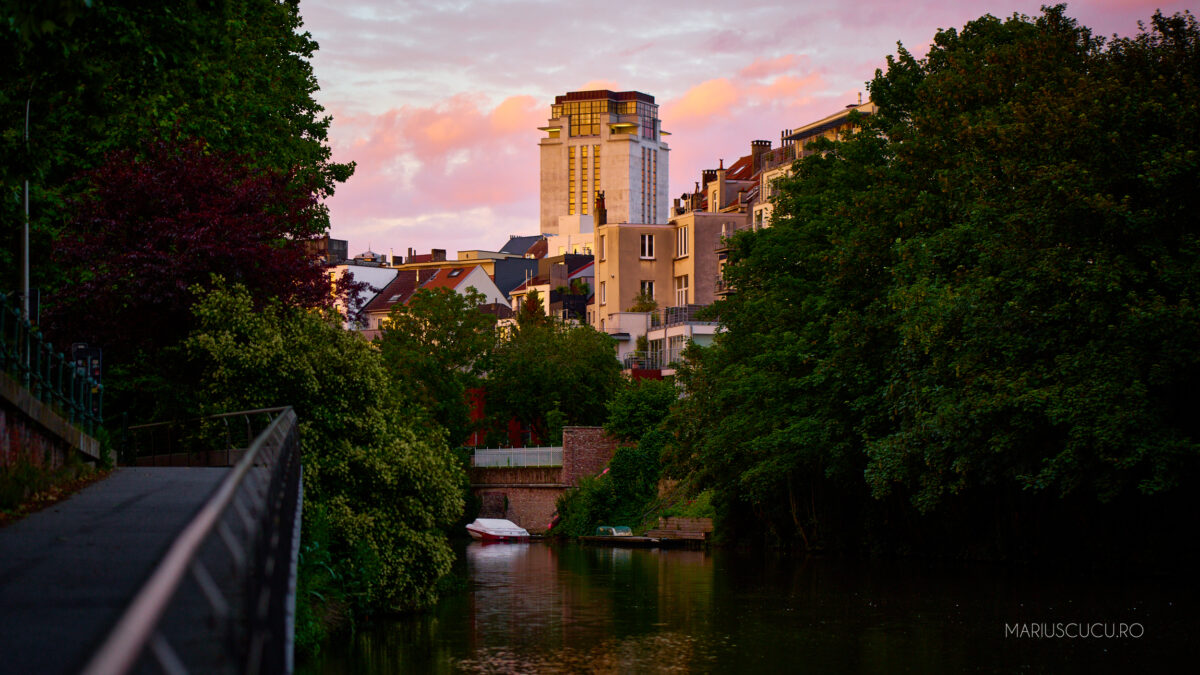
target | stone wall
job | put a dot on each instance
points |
(530, 507)
(527, 495)
(586, 451)
(515, 475)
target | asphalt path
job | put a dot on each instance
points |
(68, 572)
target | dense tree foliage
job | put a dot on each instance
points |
(438, 343)
(986, 295)
(639, 407)
(379, 488)
(549, 374)
(98, 77)
(151, 226)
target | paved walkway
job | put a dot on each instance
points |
(67, 573)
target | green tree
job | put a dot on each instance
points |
(381, 487)
(532, 311)
(438, 344)
(104, 76)
(639, 407)
(543, 367)
(986, 294)
(1045, 279)
(643, 302)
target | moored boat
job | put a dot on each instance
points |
(496, 529)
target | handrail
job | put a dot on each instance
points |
(49, 375)
(517, 457)
(134, 438)
(269, 477)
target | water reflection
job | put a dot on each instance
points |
(545, 608)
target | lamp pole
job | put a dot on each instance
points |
(25, 233)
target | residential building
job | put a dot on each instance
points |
(331, 251)
(796, 144)
(601, 142)
(564, 283)
(407, 282)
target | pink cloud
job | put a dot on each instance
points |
(766, 67)
(456, 155)
(705, 100)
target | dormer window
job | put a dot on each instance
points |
(455, 272)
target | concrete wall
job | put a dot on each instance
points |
(33, 432)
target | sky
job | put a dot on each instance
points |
(438, 102)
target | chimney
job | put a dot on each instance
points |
(438, 254)
(757, 150)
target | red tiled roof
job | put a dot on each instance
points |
(743, 169)
(398, 291)
(443, 279)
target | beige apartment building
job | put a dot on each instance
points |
(795, 145)
(601, 141)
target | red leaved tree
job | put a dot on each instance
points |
(153, 224)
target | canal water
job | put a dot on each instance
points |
(565, 608)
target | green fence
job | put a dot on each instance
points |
(49, 375)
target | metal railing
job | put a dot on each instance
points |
(222, 598)
(503, 457)
(49, 375)
(673, 316)
(215, 440)
(660, 359)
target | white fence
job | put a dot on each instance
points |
(493, 457)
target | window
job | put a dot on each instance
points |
(648, 246)
(571, 180)
(455, 272)
(583, 180)
(595, 169)
(681, 291)
(647, 289)
(602, 247)
(681, 242)
(758, 220)
(603, 292)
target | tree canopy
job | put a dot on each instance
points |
(552, 371)
(384, 487)
(98, 77)
(989, 289)
(439, 344)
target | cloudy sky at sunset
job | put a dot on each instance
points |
(439, 102)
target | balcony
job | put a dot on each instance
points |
(660, 359)
(674, 316)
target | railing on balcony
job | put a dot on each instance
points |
(49, 375)
(506, 457)
(673, 316)
(779, 157)
(661, 359)
(223, 597)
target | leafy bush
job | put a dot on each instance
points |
(377, 492)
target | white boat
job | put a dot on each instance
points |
(496, 529)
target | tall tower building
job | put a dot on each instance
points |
(601, 141)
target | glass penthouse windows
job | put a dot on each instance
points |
(587, 116)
